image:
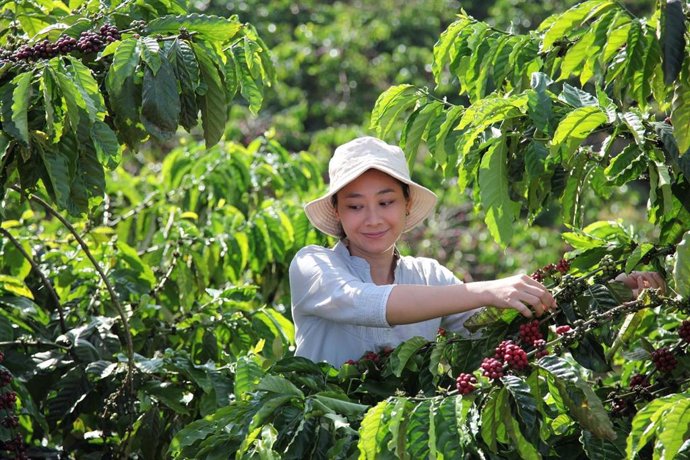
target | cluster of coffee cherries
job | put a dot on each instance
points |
(88, 41)
(465, 383)
(549, 270)
(531, 336)
(571, 287)
(8, 400)
(664, 360)
(608, 267)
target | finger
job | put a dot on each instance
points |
(537, 306)
(522, 308)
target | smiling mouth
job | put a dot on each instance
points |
(376, 234)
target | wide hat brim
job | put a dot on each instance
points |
(321, 212)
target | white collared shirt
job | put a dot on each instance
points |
(340, 314)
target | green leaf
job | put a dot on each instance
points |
(577, 97)
(21, 98)
(500, 211)
(214, 28)
(574, 128)
(672, 36)
(280, 385)
(446, 48)
(420, 442)
(674, 429)
(634, 124)
(493, 427)
(57, 166)
(627, 165)
(451, 436)
(681, 267)
(213, 103)
(106, 145)
(680, 109)
(402, 354)
(566, 22)
(415, 127)
(576, 56)
(389, 105)
(596, 448)
(648, 420)
(524, 403)
(250, 86)
(87, 85)
(372, 422)
(181, 56)
(583, 404)
(539, 103)
(125, 61)
(160, 105)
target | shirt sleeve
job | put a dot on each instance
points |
(441, 276)
(321, 285)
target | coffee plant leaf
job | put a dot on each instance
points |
(680, 111)
(525, 405)
(452, 435)
(583, 404)
(672, 29)
(589, 353)
(494, 413)
(206, 26)
(603, 448)
(681, 267)
(400, 358)
(373, 430)
(500, 211)
(647, 422)
(389, 105)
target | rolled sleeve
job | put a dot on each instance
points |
(321, 287)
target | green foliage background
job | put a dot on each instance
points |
(145, 310)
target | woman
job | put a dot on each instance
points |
(362, 295)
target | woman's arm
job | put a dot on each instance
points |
(413, 303)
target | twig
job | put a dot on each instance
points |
(113, 295)
(44, 279)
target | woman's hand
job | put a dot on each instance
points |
(519, 292)
(637, 281)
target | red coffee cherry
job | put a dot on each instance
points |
(684, 331)
(465, 383)
(492, 368)
(639, 380)
(515, 357)
(540, 346)
(529, 332)
(564, 329)
(664, 360)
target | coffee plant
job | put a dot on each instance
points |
(145, 304)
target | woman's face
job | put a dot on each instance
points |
(372, 210)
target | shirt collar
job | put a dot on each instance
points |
(360, 263)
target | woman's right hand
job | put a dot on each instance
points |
(519, 292)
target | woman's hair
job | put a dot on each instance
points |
(334, 202)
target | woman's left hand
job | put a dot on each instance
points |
(637, 281)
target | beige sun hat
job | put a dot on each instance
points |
(352, 159)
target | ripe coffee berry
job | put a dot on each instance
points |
(684, 331)
(639, 380)
(563, 266)
(5, 378)
(465, 383)
(529, 332)
(564, 329)
(540, 346)
(2, 356)
(371, 356)
(492, 368)
(441, 332)
(664, 360)
(501, 349)
(515, 357)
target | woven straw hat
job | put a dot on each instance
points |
(352, 159)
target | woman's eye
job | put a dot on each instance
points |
(354, 207)
(387, 203)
